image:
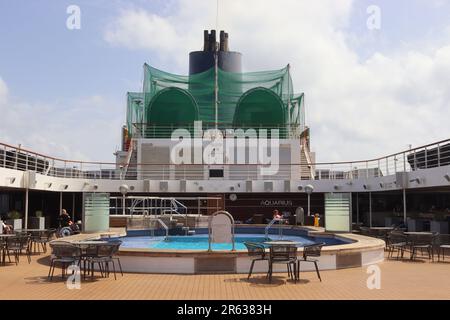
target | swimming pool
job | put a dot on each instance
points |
(148, 252)
(200, 242)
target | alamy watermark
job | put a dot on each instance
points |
(74, 280)
(73, 21)
(374, 280)
(373, 22)
(239, 146)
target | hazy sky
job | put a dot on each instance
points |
(368, 92)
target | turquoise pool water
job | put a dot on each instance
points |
(200, 242)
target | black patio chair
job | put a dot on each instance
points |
(66, 254)
(42, 238)
(421, 242)
(286, 254)
(17, 245)
(442, 244)
(103, 258)
(2, 250)
(257, 252)
(114, 256)
(312, 250)
(397, 241)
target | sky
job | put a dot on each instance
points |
(375, 82)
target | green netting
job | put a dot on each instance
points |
(135, 109)
(231, 87)
(172, 106)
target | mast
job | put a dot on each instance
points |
(216, 84)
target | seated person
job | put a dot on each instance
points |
(64, 219)
(276, 214)
(7, 229)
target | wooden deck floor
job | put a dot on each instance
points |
(399, 280)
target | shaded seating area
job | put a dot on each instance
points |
(284, 252)
(24, 242)
(20, 244)
(86, 255)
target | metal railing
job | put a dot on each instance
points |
(146, 223)
(152, 131)
(429, 156)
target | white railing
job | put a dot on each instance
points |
(428, 156)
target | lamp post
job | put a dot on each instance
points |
(123, 190)
(309, 189)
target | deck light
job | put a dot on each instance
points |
(11, 180)
(123, 190)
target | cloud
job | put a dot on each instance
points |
(78, 129)
(356, 108)
(3, 91)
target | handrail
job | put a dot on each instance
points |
(427, 156)
(269, 225)
(165, 227)
(412, 150)
(128, 159)
(308, 158)
(210, 230)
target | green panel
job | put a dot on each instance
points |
(337, 211)
(96, 212)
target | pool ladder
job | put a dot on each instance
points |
(280, 230)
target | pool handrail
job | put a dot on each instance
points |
(230, 217)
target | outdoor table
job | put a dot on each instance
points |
(284, 243)
(34, 233)
(84, 246)
(410, 236)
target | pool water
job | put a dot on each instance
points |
(200, 242)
